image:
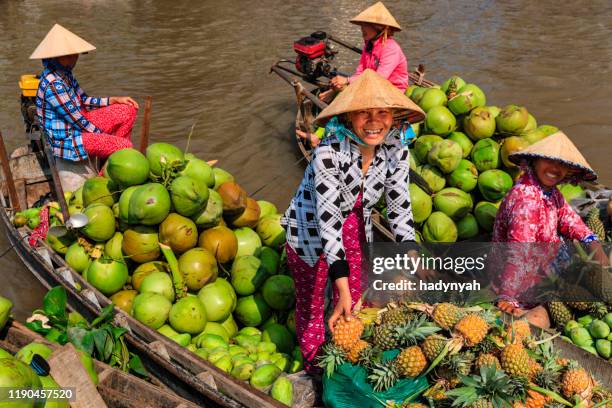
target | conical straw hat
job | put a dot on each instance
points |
(59, 42)
(369, 91)
(377, 14)
(556, 147)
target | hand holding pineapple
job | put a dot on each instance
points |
(344, 305)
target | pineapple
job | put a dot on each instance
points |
(489, 385)
(548, 377)
(520, 330)
(395, 315)
(383, 376)
(534, 368)
(575, 381)
(515, 360)
(486, 359)
(347, 333)
(473, 328)
(560, 314)
(411, 361)
(536, 400)
(355, 352)
(331, 357)
(490, 345)
(414, 405)
(579, 306)
(368, 315)
(446, 315)
(598, 309)
(595, 225)
(433, 345)
(384, 337)
(415, 330)
(453, 367)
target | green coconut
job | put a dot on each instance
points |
(112, 248)
(198, 267)
(467, 227)
(250, 216)
(252, 310)
(493, 110)
(434, 177)
(266, 208)
(512, 120)
(149, 204)
(5, 311)
(178, 232)
(141, 244)
(418, 93)
(107, 275)
(421, 203)
(494, 184)
(571, 191)
(485, 154)
(468, 97)
(163, 155)
(423, 145)
(445, 155)
(77, 257)
(247, 275)
(535, 135)
(189, 195)
(431, 98)
(101, 225)
(440, 120)
(532, 123)
(485, 213)
(151, 309)
(144, 270)
(453, 83)
(188, 315)
(462, 140)
(124, 203)
(439, 227)
(199, 170)
(464, 177)
(279, 292)
(219, 241)
(219, 299)
(510, 145)
(221, 176)
(453, 202)
(128, 167)
(211, 215)
(249, 242)
(160, 283)
(99, 190)
(479, 124)
(234, 199)
(270, 231)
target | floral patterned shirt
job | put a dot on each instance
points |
(529, 214)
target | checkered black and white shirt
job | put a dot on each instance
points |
(329, 190)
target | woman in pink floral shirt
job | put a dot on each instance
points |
(534, 211)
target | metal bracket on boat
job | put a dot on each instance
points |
(207, 379)
(159, 348)
(44, 253)
(67, 275)
(91, 296)
(120, 320)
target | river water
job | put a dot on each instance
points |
(207, 62)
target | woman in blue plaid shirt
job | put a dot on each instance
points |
(77, 125)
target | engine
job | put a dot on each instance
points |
(29, 86)
(314, 56)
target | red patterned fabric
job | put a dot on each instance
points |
(311, 281)
(116, 121)
(528, 214)
(40, 232)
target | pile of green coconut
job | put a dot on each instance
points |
(462, 153)
(180, 246)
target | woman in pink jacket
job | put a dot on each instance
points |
(381, 52)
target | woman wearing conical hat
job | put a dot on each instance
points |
(76, 124)
(380, 52)
(534, 211)
(364, 157)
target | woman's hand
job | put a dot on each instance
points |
(509, 308)
(344, 305)
(327, 96)
(338, 82)
(311, 137)
(126, 100)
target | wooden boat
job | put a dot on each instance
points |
(176, 367)
(117, 389)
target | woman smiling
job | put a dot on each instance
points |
(364, 157)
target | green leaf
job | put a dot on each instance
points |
(118, 332)
(137, 367)
(106, 315)
(56, 336)
(82, 339)
(37, 326)
(103, 340)
(54, 303)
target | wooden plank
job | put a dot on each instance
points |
(8, 175)
(68, 372)
(146, 122)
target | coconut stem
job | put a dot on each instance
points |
(177, 277)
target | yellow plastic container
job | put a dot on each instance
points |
(28, 85)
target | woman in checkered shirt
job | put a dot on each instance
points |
(364, 157)
(77, 125)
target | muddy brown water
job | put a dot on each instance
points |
(207, 62)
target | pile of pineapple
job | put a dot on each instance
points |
(468, 355)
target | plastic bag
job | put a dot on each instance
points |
(348, 387)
